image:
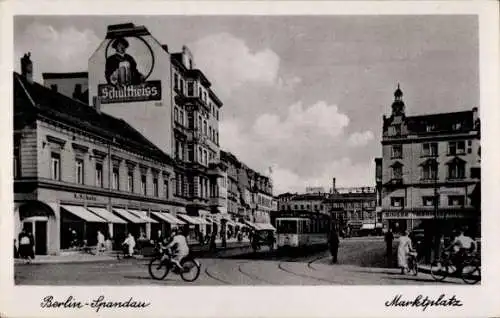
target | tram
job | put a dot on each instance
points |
(301, 229)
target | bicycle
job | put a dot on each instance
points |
(412, 264)
(189, 272)
(444, 267)
(123, 252)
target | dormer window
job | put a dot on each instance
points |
(395, 130)
(457, 126)
(430, 127)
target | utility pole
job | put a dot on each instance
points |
(437, 236)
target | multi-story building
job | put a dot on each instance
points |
(78, 170)
(430, 168)
(351, 208)
(168, 100)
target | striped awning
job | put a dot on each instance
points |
(143, 215)
(129, 216)
(167, 217)
(83, 213)
(190, 219)
(108, 216)
(265, 226)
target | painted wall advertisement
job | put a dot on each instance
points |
(129, 63)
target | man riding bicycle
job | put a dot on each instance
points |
(460, 247)
(178, 247)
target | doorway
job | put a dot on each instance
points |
(38, 227)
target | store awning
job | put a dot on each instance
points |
(265, 226)
(169, 218)
(211, 219)
(180, 210)
(189, 219)
(252, 225)
(143, 215)
(108, 216)
(201, 220)
(368, 226)
(83, 213)
(129, 216)
(230, 222)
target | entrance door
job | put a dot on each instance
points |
(41, 237)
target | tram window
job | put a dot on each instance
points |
(287, 226)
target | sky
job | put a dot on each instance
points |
(304, 95)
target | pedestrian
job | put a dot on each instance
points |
(389, 238)
(130, 243)
(404, 248)
(24, 245)
(100, 242)
(333, 243)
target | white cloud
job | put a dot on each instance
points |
(307, 147)
(230, 63)
(360, 139)
(65, 50)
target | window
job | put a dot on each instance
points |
(295, 207)
(191, 152)
(199, 123)
(302, 207)
(429, 170)
(190, 88)
(190, 118)
(397, 172)
(457, 126)
(130, 180)
(428, 200)
(456, 200)
(475, 173)
(176, 81)
(397, 151)
(143, 184)
(116, 178)
(176, 114)
(182, 86)
(456, 170)
(217, 138)
(430, 149)
(205, 157)
(205, 127)
(98, 175)
(155, 186)
(217, 114)
(430, 127)
(395, 130)
(199, 92)
(181, 117)
(397, 202)
(210, 133)
(165, 187)
(456, 148)
(55, 166)
(178, 182)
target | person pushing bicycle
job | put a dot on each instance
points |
(460, 248)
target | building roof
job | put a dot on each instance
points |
(442, 122)
(33, 98)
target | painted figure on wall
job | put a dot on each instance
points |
(121, 68)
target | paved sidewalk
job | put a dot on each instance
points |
(81, 257)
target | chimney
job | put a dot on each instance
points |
(27, 68)
(333, 185)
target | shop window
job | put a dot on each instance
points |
(55, 166)
(98, 175)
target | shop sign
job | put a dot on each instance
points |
(129, 63)
(82, 196)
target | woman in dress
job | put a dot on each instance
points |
(404, 248)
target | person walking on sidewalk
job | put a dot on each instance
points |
(404, 249)
(389, 238)
(333, 243)
(101, 246)
(25, 246)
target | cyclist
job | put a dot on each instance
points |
(461, 246)
(178, 242)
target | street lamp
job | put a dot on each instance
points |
(437, 236)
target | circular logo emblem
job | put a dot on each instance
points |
(129, 61)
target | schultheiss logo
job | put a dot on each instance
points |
(126, 77)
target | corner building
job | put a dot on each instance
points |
(167, 99)
(430, 169)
